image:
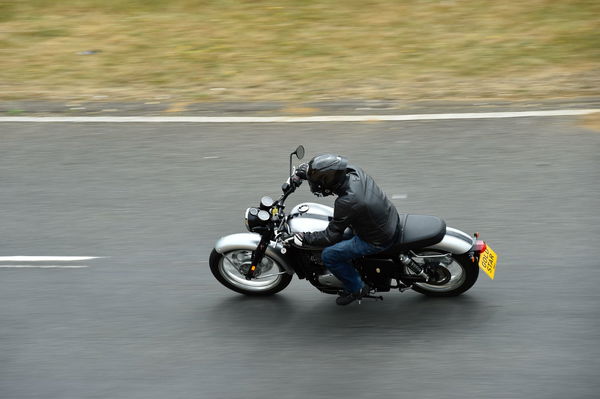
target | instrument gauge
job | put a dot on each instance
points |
(263, 216)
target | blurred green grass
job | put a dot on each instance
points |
(299, 50)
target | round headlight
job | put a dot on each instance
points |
(246, 222)
(251, 218)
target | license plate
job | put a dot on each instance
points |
(487, 262)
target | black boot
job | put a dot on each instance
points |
(347, 298)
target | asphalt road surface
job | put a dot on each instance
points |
(147, 319)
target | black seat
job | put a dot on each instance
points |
(418, 231)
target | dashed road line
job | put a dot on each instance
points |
(42, 267)
(45, 258)
(21, 262)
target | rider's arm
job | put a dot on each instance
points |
(342, 218)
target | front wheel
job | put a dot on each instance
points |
(230, 269)
(456, 274)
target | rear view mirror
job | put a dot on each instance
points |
(299, 153)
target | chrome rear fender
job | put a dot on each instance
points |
(250, 242)
(455, 242)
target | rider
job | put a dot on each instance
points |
(362, 206)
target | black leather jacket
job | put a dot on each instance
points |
(364, 207)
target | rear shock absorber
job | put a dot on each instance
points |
(413, 266)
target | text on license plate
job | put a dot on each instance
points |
(487, 262)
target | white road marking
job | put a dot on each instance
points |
(399, 196)
(40, 267)
(292, 119)
(45, 258)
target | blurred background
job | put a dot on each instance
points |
(223, 50)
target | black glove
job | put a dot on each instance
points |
(296, 181)
(302, 171)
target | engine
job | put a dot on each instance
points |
(378, 273)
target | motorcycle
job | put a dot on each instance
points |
(428, 257)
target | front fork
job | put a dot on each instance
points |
(257, 256)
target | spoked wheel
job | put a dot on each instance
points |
(231, 267)
(450, 275)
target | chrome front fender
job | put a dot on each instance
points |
(250, 242)
(455, 241)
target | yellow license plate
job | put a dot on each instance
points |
(487, 262)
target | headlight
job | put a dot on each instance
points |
(246, 217)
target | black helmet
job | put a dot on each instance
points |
(326, 173)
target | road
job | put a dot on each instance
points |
(147, 320)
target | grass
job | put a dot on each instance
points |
(203, 50)
(591, 121)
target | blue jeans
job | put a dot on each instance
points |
(338, 259)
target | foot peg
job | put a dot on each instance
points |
(346, 298)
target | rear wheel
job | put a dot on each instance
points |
(452, 275)
(230, 269)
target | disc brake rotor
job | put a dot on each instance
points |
(242, 261)
(439, 275)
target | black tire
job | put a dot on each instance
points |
(230, 281)
(471, 273)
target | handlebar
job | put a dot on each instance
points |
(288, 188)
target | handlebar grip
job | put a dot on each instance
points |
(296, 181)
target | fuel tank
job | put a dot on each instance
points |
(310, 217)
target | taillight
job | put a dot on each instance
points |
(479, 246)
